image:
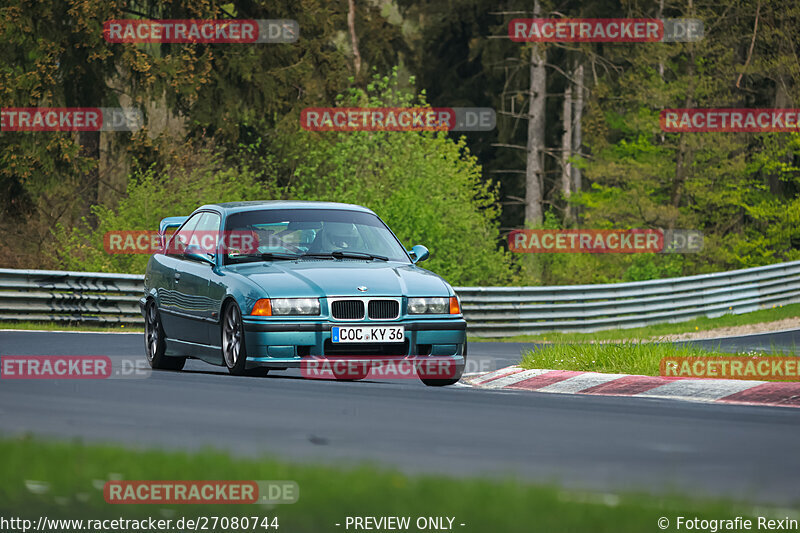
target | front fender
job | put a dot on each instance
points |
(241, 290)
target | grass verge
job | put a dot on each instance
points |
(64, 480)
(621, 358)
(70, 326)
(659, 330)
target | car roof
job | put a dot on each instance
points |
(236, 207)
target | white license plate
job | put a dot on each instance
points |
(367, 334)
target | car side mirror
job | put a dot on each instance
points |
(195, 253)
(418, 253)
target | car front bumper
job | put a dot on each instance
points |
(287, 343)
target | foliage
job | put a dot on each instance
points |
(426, 186)
(459, 194)
(742, 190)
(585, 268)
(150, 197)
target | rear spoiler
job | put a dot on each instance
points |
(169, 223)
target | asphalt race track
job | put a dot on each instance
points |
(588, 442)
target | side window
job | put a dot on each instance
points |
(206, 233)
(181, 238)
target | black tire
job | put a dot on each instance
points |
(155, 345)
(436, 382)
(234, 352)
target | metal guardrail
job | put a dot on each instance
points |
(508, 311)
(45, 295)
(60, 296)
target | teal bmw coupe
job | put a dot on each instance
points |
(255, 286)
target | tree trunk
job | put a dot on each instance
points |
(661, 16)
(683, 159)
(577, 132)
(351, 25)
(682, 162)
(535, 148)
(90, 148)
(782, 100)
(566, 153)
(660, 62)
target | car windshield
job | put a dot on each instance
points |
(334, 233)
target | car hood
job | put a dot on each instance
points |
(311, 278)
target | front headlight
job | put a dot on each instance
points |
(286, 306)
(428, 306)
(295, 306)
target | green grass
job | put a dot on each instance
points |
(622, 358)
(68, 326)
(657, 330)
(74, 474)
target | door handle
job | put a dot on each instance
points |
(177, 276)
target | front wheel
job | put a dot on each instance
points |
(233, 348)
(155, 345)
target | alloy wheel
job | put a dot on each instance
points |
(232, 336)
(151, 327)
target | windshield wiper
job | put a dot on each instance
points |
(270, 256)
(340, 254)
(319, 255)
